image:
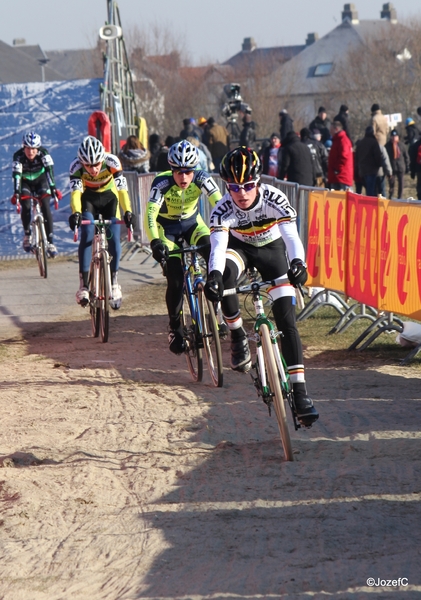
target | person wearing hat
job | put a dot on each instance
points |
(271, 156)
(190, 129)
(369, 160)
(286, 124)
(322, 123)
(399, 161)
(380, 124)
(343, 117)
(412, 131)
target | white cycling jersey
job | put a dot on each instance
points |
(270, 217)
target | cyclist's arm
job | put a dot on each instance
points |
(221, 219)
(76, 186)
(114, 166)
(48, 163)
(292, 240)
(17, 176)
(159, 187)
(208, 186)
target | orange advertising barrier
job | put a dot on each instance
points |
(368, 248)
(326, 239)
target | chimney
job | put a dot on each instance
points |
(350, 14)
(22, 41)
(389, 13)
(311, 38)
(248, 45)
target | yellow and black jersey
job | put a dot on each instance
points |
(110, 177)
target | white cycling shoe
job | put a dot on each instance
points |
(52, 250)
(116, 296)
(82, 296)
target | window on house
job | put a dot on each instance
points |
(323, 69)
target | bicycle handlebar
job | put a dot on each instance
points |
(103, 222)
(245, 289)
(188, 249)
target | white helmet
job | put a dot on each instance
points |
(183, 155)
(91, 151)
(31, 140)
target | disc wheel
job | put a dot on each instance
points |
(192, 340)
(275, 386)
(104, 296)
(211, 340)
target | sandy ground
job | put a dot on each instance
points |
(123, 479)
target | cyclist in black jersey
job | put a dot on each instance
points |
(249, 227)
(33, 175)
(172, 216)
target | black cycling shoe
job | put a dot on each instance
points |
(176, 342)
(306, 413)
(223, 331)
(240, 355)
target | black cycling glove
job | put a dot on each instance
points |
(159, 250)
(214, 288)
(74, 220)
(129, 219)
(297, 273)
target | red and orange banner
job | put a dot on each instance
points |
(368, 248)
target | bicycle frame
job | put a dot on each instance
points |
(193, 272)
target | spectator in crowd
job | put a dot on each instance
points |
(203, 126)
(343, 117)
(369, 160)
(218, 142)
(155, 146)
(412, 131)
(414, 152)
(203, 161)
(358, 182)
(380, 124)
(341, 160)
(318, 154)
(248, 133)
(322, 123)
(323, 150)
(296, 163)
(133, 156)
(271, 156)
(384, 171)
(286, 124)
(161, 163)
(190, 128)
(399, 160)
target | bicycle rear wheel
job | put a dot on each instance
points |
(40, 249)
(275, 386)
(192, 340)
(211, 341)
(93, 301)
(104, 296)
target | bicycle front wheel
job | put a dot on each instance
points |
(193, 341)
(210, 333)
(93, 300)
(104, 296)
(275, 386)
(41, 250)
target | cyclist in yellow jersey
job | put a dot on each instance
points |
(172, 216)
(98, 187)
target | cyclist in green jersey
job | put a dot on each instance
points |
(172, 216)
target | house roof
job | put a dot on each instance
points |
(259, 57)
(297, 76)
(18, 66)
(77, 64)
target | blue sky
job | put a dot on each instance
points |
(211, 31)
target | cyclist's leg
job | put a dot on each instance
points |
(270, 261)
(198, 235)
(43, 193)
(85, 246)
(235, 265)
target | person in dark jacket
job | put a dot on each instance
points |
(286, 124)
(297, 162)
(133, 156)
(319, 156)
(343, 117)
(155, 146)
(190, 130)
(412, 131)
(322, 123)
(271, 157)
(369, 160)
(415, 164)
(399, 161)
(248, 133)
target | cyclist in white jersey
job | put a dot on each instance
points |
(250, 227)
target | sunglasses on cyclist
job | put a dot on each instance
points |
(182, 171)
(247, 187)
